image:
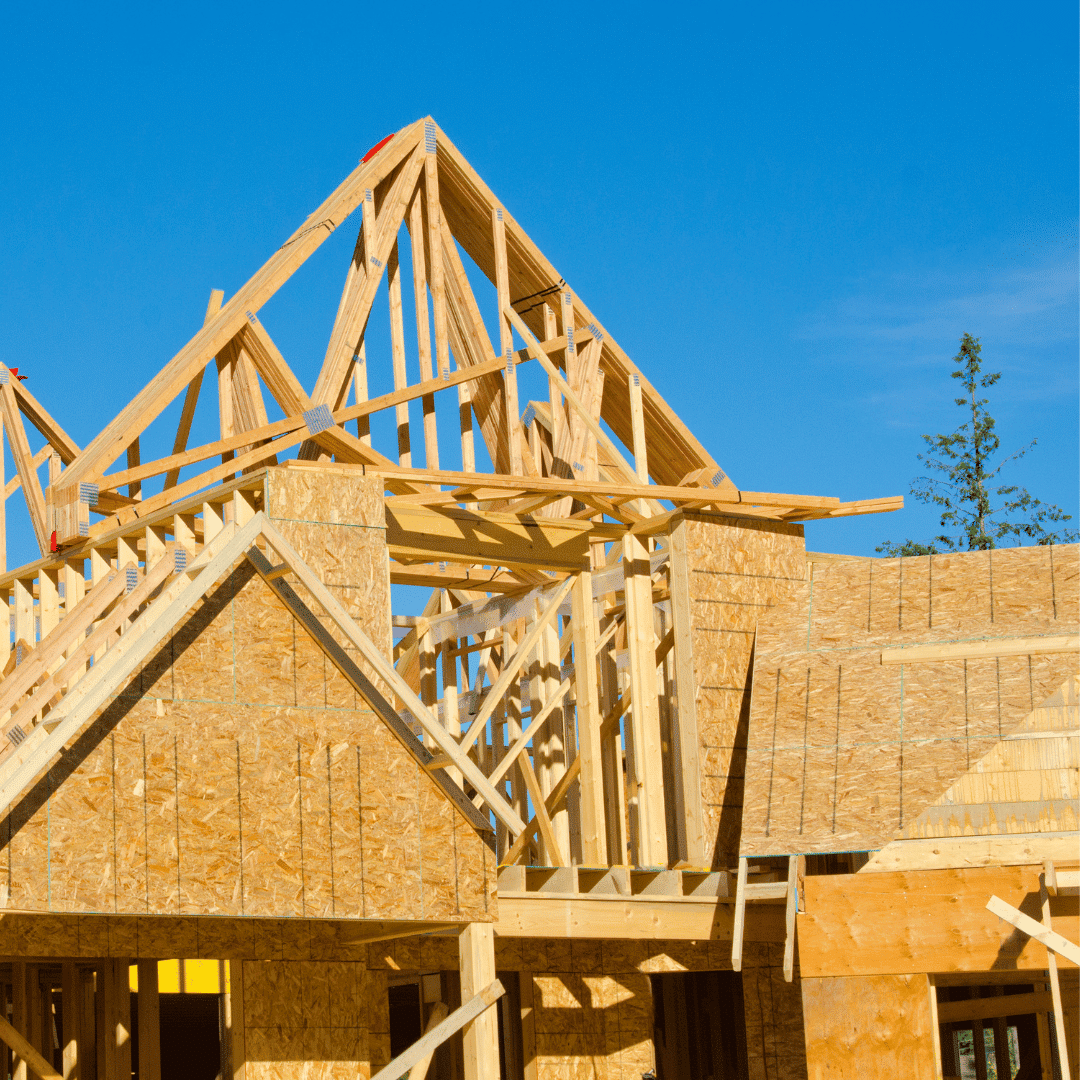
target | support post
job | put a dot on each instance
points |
(593, 826)
(70, 1000)
(235, 1018)
(480, 1037)
(19, 1015)
(645, 712)
(149, 1021)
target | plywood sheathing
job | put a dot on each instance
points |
(868, 1026)
(314, 1020)
(739, 571)
(904, 923)
(845, 751)
(238, 773)
(1025, 784)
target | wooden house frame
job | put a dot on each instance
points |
(557, 806)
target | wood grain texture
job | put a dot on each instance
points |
(845, 753)
(923, 920)
(738, 572)
(237, 774)
(868, 1026)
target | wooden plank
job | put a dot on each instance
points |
(70, 993)
(917, 921)
(423, 327)
(688, 773)
(954, 852)
(632, 918)
(174, 377)
(740, 916)
(645, 715)
(543, 818)
(1041, 933)
(149, 1021)
(990, 1008)
(331, 384)
(480, 1035)
(397, 352)
(25, 1049)
(512, 416)
(433, 1039)
(869, 1027)
(587, 699)
(1033, 645)
(20, 451)
(789, 918)
(513, 665)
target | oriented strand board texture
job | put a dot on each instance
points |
(774, 1016)
(739, 570)
(868, 1026)
(239, 774)
(317, 1020)
(1027, 783)
(844, 752)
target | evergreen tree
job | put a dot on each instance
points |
(976, 515)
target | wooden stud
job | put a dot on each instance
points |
(740, 916)
(1052, 967)
(688, 766)
(397, 343)
(149, 1021)
(648, 761)
(480, 1037)
(237, 1028)
(28, 477)
(512, 418)
(583, 625)
(70, 997)
(423, 329)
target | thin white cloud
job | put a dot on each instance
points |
(1030, 306)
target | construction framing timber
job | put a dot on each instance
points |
(638, 787)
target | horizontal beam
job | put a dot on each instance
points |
(978, 650)
(640, 918)
(990, 1008)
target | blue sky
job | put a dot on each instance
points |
(788, 215)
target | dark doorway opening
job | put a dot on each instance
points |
(699, 1027)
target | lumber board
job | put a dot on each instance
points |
(922, 920)
(869, 1026)
(176, 375)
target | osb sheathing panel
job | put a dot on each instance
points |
(868, 1026)
(844, 752)
(739, 570)
(774, 1019)
(1027, 783)
(314, 1020)
(239, 774)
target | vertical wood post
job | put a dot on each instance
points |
(149, 1021)
(19, 1015)
(593, 826)
(480, 1037)
(235, 1020)
(506, 341)
(688, 769)
(70, 1000)
(645, 713)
